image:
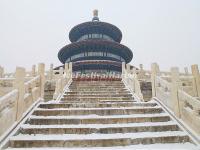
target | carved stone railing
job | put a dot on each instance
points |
(163, 90)
(189, 110)
(14, 104)
(62, 79)
(131, 81)
(172, 92)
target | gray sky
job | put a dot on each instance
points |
(162, 31)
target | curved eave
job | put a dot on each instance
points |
(95, 45)
(95, 27)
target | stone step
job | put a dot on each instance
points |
(95, 105)
(98, 140)
(97, 111)
(97, 95)
(158, 146)
(95, 92)
(97, 82)
(101, 128)
(95, 119)
(94, 99)
(98, 90)
(98, 87)
(100, 101)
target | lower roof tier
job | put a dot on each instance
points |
(92, 45)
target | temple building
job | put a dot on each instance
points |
(95, 47)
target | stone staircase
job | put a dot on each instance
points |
(99, 115)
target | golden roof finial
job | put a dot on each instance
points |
(95, 13)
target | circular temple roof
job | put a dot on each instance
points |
(95, 27)
(95, 45)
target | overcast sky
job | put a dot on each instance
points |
(162, 31)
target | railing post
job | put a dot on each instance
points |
(70, 70)
(174, 91)
(128, 68)
(41, 71)
(57, 89)
(61, 77)
(66, 79)
(33, 72)
(186, 70)
(1, 72)
(123, 69)
(195, 73)
(141, 72)
(134, 76)
(51, 72)
(66, 68)
(19, 85)
(154, 71)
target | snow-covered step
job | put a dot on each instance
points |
(98, 88)
(94, 86)
(97, 111)
(91, 140)
(171, 146)
(94, 98)
(95, 119)
(100, 128)
(97, 92)
(100, 101)
(96, 105)
(98, 95)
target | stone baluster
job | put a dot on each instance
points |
(33, 72)
(57, 89)
(66, 68)
(141, 72)
(41, 71)
(174, 91)
(51, 72)
(196, 75)
(154, 72)
(128, 68)
(19, 85)
(186, 70)
(1, 72)
(59, 84)
(70, 70)
(61, 78)
(123, 69)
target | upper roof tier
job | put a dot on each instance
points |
(95, 27)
